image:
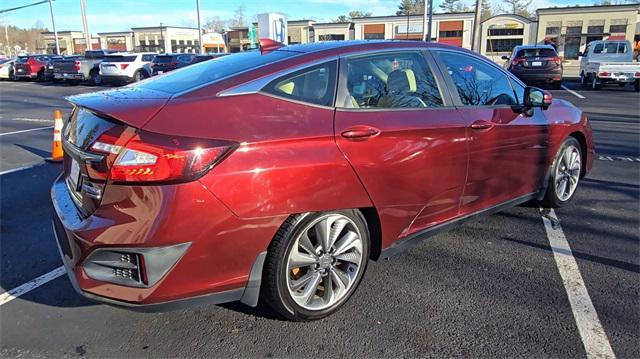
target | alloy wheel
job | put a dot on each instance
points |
(567, 173)
(324, 262)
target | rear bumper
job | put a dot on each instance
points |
(215, 269)
(116, 78)
(539, 77)
(68, 76)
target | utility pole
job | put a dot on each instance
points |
(164, 48)
(475, 39)
(53, 23)
(87, 37)
(199, 28)
(430, 20)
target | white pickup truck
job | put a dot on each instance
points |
(609, 61)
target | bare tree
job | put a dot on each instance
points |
(215, 24)
(518, 7)
(352, 15)
(238, 17)
(410, 7)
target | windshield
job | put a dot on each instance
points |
(119, 58)
(542, 52)
(210, 71)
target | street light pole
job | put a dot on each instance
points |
(87, 37)
(53, 23)
(199, 28)
(475, 40)
(430, 19)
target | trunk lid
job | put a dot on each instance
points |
(65, 66)
(116, 114)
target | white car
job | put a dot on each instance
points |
(610, 61)
(125, 67)
(6, 69)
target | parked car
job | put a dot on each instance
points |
(6, 69)
(125, 67)
(536, 64)
(48, 69)
(277, 174)
(169, 62)
(609, 62)
(206, 57)
(84, 69)
(31, 67)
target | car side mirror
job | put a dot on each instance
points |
(535, 97)
(505, 57)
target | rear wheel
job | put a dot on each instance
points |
(94, 78)
(41, 76)
(636, 85)
(595, 84)
(583, 79)
(315, 263)
(137, 76)
(565, 174)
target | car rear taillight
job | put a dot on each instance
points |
(151, 157)
(519, 61)
(76, 65)
(556, 60)
(31, 61)
(123, 66)
(603, 74)
(637, 74)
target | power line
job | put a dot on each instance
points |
(22, 7)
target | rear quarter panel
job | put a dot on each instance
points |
(287, 160)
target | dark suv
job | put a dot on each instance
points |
(535, 64)
(168, 62)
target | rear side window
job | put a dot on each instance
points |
(162, 59)
(22, 59)
(94, 55)
(209, 71)
(111, 58)
(314, 85)
(544, 52)
(478, 82)
(147, 58)
(392, 80)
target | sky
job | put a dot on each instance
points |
(120, 15)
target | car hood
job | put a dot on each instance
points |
(133, 105)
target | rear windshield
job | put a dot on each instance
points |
(111, 58)
(22, 59)
(210, 71)
(94, 55)
(537, 53)
(162, 59)
(610, 48)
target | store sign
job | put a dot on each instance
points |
(507, 25)
(413, 29)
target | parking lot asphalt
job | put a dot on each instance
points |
(490, 288)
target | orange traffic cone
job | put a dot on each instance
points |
(56, 149)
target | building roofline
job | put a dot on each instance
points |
(509, 15)
(630, 6)
(114, 32)
(59, 32)
(412, 15)
(164, 27)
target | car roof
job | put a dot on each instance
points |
(524, 47)
(363, 45)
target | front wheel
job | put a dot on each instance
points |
(565, 174)
(315, 263)
(583, 79)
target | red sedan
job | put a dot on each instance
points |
(275, 175)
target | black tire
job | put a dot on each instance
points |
(137, 76)
(41, 76)
(595, 84)
(583, 80)
(551, 198)
(556, 85)
(274, 287)
(94, 78)
(12, 77)
(636, 85)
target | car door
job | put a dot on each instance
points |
(396, 125)
(507, 149)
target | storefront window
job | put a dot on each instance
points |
(331, 37)
(554, 30)
(617, 28)
(572, 47)
(455, 33)
(595, 29)
(574, 30)
(502, 45)
(505, 32)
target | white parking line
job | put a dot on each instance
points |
(20, 168)
(29, 120)
(572, 92)
(591, 331)
(23, 131)
(14, 293)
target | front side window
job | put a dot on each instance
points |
(314, 85)
(478, 83)
(393, 80)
